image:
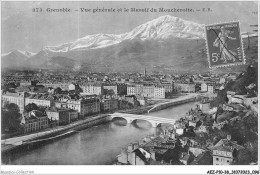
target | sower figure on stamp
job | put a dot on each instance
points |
(221, 42)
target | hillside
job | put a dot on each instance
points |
(167, 44)
(60, 63)
(15, 59)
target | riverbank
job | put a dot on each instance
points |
(14, 143)
(181, 100)
(164, 105)
(97, 145)
(17, 142)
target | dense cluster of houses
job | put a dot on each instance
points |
(180, 144)
(168, 149)
(95, 93)
(61, 109)
(106, 95)
(154, 85)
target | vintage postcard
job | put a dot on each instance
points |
(170, 86)
(224, 44)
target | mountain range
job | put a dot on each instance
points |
(15, 58)
(167, 42)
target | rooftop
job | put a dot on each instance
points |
(226, 145)
(204, 158)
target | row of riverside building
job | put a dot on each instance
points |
(150, 90)
(92, 99)
(62, 109)
(59, 109)
(144, 89)
(83, 105)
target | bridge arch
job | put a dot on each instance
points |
(135, 120)
(168, 124)
(131, 120)
(118, 117)
(128, 119)
(155, 121)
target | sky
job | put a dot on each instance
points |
(24, 29)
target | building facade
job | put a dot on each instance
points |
(63, 86)
(131, 90)
(35, 121)
(185, 87)
(167, 86)
(16, 98)
(109, 104)
(148, 91)
(139, 89)
(61, 116)
(211, 88)
(225, 151)
(159, 91)
(204, 87)
(92, 88)
(84, 107)
(111, 87)
(40, 101)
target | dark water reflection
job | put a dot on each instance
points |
(98, 145)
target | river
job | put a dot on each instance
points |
(98, 145)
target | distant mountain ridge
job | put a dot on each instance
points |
(15, 58)
(25, 53)
(161, 28)
(167, 43)
(61, 63)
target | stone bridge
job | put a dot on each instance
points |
(173, 102)
(155, 121)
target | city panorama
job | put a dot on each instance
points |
(161, 87)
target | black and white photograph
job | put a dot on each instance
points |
(105, 84)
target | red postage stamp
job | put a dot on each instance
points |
(224, 45)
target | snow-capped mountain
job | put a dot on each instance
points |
(15, 58)
(161, 28)
(27, 53)
(165, 43)
(87, 42)
(166, 27)
(19, 52)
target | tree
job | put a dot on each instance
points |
(109, 92)
(4, 122)
(42, 109)
(10, 85)
(13, 108)
(217, 134)
(11, 118)
(253, 149)
(251, 122)
(220, 99)
(242, 131)
(30, 107)
(243, 157)
(177, 89)
(42, 90)
(79, 90)
(58, 90)
(122, 91)
(5, 104)
(198, 124)
(178, 143)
